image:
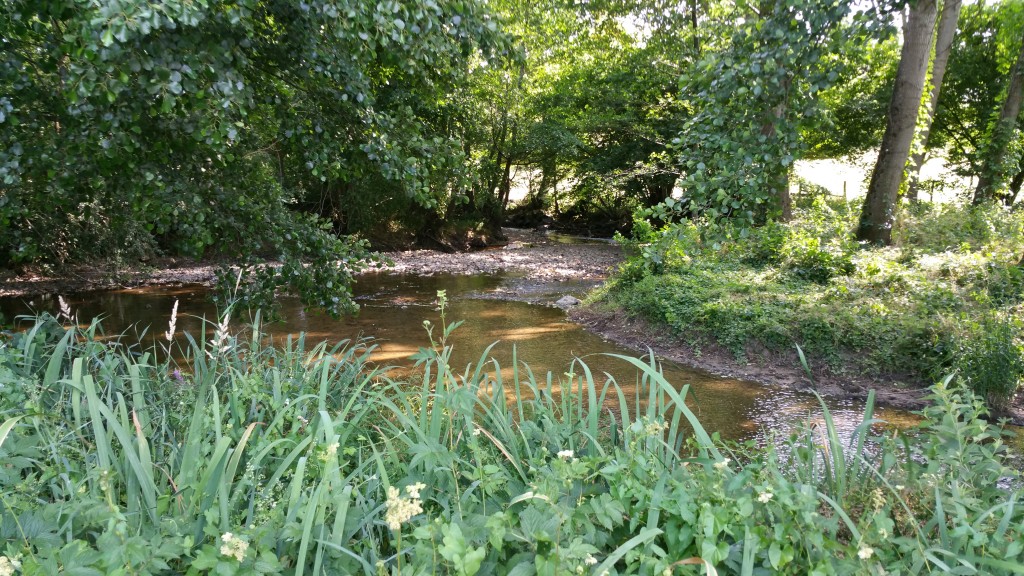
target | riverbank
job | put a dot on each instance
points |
(763, 366)
(547, 267)
(946, 299)
(534, 255)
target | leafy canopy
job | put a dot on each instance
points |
(192, 126)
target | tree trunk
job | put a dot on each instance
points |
(943, 44)
(693, 23)
(506, 184)
(1015, 189)
(994, 170)
(879, 209)
(777, 113)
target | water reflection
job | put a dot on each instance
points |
(394, 308)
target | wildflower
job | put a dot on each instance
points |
(400, 509)
(764, 497)
(233, 547)
(476, 431)
(722, 464)
(590, 560)
(899, 487)
(414, 490)
(8, 566)
(174, 321)
(865, 552)
(877, 498)
(565, 454)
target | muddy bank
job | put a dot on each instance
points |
(35, 281)
(535, 256)
(762, 366)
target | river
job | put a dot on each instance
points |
(503, 308)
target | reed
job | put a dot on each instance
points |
(301, 458)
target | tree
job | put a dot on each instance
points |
(196, 127)
(854, 108)
(752, 101)
(879, 208)
(943, 45)
(997, 162)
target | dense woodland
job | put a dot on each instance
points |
(291, 130)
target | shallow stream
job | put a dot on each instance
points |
(504, 308)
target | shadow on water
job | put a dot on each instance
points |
(394, 308)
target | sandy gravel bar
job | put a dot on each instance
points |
(535, 255)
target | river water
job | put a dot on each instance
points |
(394, 307)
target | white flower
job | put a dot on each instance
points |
(400, 510)
(565, 454)
(65, 308)
(898, 487)
(332, 449)
(476, 431)
(590, 560)
(233, 547)
(764, 497)
(865, 552)
(8, 566)
(414, 490)
(722, 464)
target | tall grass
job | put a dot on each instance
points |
(303, 459)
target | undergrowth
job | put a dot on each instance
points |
(948, 297)
(245, 458)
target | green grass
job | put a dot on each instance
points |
(300, 459)
(947, 298)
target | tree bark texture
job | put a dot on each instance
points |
(943, 45)
(879, 209)
(995, 170)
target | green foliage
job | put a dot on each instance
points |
(854, 107)
(947, 299)
(197, 128)
(979, 65)
(751, 102)
(294, 460)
